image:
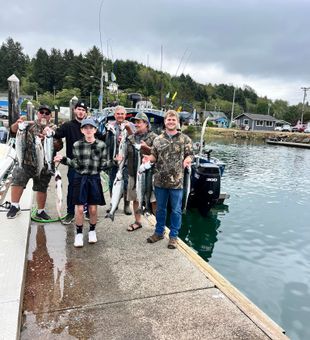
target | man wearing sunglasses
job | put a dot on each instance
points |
(29, 167)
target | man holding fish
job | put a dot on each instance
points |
(140, 187)
(33, 161)
(171, 153)
(117, 131)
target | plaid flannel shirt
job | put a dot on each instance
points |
(88, 158)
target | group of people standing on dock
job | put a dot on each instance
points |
(89, 152)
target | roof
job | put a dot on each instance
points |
(255, 116)
(215, 114)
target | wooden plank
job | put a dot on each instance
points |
(296, 145)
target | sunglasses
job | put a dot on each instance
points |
(47, 113)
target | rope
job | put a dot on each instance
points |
(34, 218)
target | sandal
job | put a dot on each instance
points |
(134, 226)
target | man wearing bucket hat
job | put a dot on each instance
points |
(88, 159)
(139, 144)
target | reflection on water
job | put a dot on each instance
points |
(262, 245)
(200, 232)
(46, 263)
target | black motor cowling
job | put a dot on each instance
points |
(205, 186)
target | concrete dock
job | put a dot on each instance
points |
(118, 288)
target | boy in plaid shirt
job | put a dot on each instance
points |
(89, 158)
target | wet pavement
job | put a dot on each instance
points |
(121, 288)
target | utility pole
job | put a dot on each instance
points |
(305, 89)
(101, 90)
(232, 108)
(269, 106)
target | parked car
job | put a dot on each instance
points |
(286, 128)
(278, 128)
(298, 128)
(4, 114)
(307, 130)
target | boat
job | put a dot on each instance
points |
(206, 174)
(7, 161)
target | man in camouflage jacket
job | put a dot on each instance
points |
(171, 152)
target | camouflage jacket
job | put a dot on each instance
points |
(170, 152)
(33, 130)
(132, 160)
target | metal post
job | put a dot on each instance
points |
(56, 115)
(29, 110)
(13, 95)
(73, 101)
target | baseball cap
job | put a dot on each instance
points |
(44, 107)
(142, 116)
(89, 121)
(81, 104)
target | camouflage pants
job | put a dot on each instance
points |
(21, 177)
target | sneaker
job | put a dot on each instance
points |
(68, 219)
(13, 212)
(154, 238)
(92, 237)
(172, 243)
(78, 240)
(43, 216)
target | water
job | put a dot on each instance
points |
(260, 240)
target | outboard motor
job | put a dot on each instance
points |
(206, 184)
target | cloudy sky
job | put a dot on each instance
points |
(261, 43)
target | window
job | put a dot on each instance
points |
(269, 123)
(245, 121)
(259, 123)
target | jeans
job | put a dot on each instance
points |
(70, 205)
(175, 196)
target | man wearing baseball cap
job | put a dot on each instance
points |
(143, 138)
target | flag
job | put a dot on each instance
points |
(113, 77)
(174, 95)
(179, 109)
(167, 95)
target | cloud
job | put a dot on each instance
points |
(264, 44)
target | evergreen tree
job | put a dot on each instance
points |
(13, 61)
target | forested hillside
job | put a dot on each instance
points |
(55, 76)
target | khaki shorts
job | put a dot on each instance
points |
(131, 191)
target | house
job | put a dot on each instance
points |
(217, 117)
(255, 122)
